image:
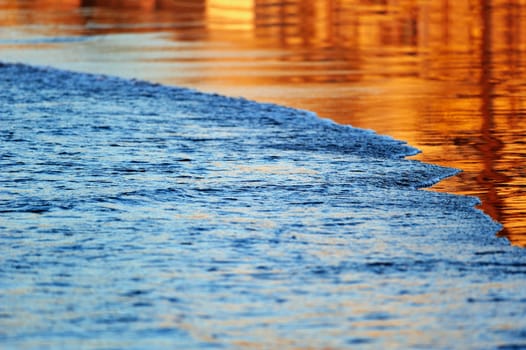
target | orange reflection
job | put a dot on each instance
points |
(446, 76)
(230, 15)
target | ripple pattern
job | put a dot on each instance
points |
(135, 215)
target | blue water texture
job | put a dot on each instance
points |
(140, 216)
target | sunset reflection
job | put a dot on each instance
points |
(446, 76)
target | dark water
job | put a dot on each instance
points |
(444, 76)
(141, 216)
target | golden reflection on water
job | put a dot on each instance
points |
(446, 76)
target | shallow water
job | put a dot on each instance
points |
(141, 216)
(126, 223)
(446, 77)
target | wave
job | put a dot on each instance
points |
(167, 215)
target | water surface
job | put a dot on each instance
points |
(446, 77)
(140, 216)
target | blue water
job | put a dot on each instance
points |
(141, 216)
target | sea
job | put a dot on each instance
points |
(140, 215)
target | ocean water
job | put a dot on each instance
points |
(393, 67)
(141, 216)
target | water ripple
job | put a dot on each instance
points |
(135, 215)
